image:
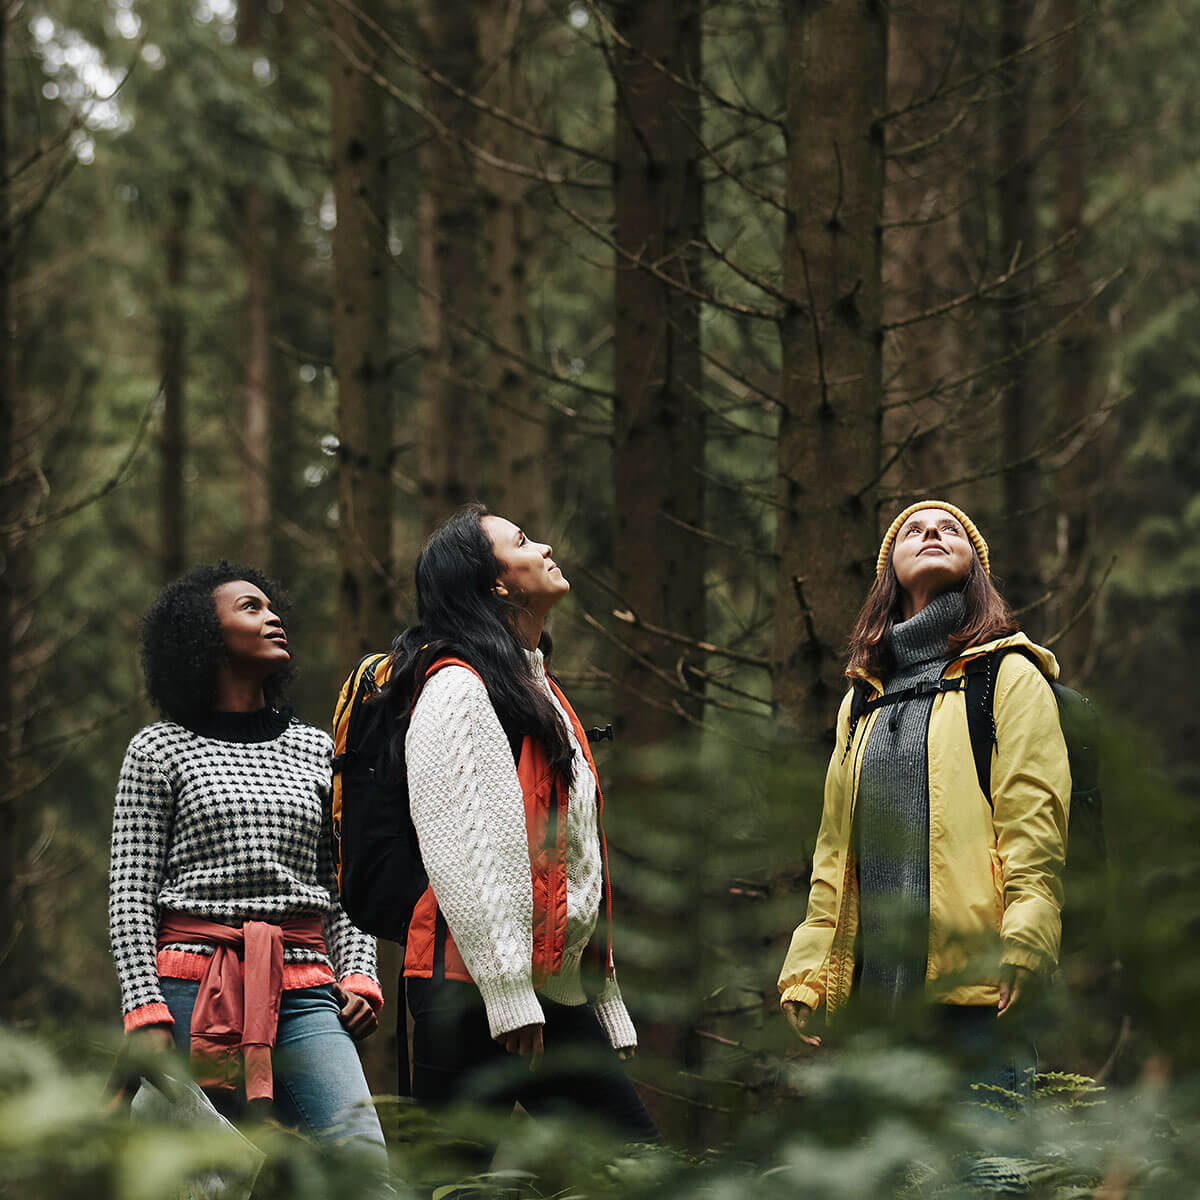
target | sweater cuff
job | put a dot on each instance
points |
(800, 993)
(615, 1020)
(156, 1013)
(366, 987)
(511, 1004)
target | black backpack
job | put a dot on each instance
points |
(380, 874)
(1080, 726)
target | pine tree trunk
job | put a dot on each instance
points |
(173, 443)
(286, 317)
(1077, 353)
(925, 258)
(1019, 543)
(360, 346)
(449, 230)
(520, 455)
(10, 833)
(658, 422)
(829, 430)
(365, 426)
(254, 425)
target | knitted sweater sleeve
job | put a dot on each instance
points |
(351, 951)
(469, 814)
(614, 1017)
(142, 821)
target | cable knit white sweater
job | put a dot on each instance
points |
(470, 817)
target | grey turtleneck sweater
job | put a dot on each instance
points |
(892, 810)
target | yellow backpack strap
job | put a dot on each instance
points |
(341, 716)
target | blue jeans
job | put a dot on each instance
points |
(319, 1083)
(989, 1050)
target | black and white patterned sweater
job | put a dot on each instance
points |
(226, 825)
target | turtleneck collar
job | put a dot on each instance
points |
(261, 725)
(537, 664)
(925, 637)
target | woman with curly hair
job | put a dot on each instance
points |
(923, 886)
(224, 917)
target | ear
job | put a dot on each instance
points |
(500, 589)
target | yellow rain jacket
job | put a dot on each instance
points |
(995, 871)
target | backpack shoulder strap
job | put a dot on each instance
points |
(451, 661)
(980, 674)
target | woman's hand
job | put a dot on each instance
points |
(526, 1041)
(625, 1053)
(1015, 987)
(797, 1017)
(357, 1016)
(150, 1039)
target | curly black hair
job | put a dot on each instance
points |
(182, 645)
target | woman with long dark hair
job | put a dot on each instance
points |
(225, 923)
(508, 956)
(922, 885)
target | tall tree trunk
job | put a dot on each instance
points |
(829, 429)
(1020, 546)
(173, 348)
(520, 455)
(658, 422)
(254, 425)
(1077, 352)
(255, 421)
(360, 355)
(924, 254)
(449, 230)
(286, 317)
(10, 831)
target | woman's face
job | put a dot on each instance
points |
(528, 574)
(931, 554)
(253, 634)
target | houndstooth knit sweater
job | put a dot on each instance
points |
(469, 813)
(228, 826)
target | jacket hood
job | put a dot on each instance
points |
(1045, 659)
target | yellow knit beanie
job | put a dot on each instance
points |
(981, 547)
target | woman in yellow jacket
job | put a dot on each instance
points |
(922, 885)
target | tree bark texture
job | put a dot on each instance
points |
(829, 428)
(286, 316)
(254, 427)
(658, 421)
(1018, 563)
(360, 345)
(519, 457)
(925, 255)
(173, 438)
(11, 839)
(449, 229)
(1078, 346)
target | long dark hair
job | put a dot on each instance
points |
(182, 644)
(986, 616)
(460, 614)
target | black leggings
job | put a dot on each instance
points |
(455, 1061)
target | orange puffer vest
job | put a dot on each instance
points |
(546, 800)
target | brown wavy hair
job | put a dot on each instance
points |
(987, 616)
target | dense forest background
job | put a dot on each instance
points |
(700, 292)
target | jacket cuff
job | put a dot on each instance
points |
(1022, 956)
(615, 1020)
(156, 1013)
(364, 986)
(800, 993)
(511, 1004)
